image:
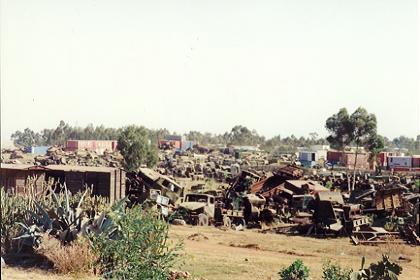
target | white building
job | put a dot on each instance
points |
(399, 161)
(313, 155)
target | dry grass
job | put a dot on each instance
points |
(76, 258)
(237, 255)
(252, 255)
(11, 273)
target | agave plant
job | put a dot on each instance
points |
(31, 237)
(60, 220)
(105, 223)
(66, 219)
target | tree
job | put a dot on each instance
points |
(135, 146)
(375, 145)
(314, 137)
(241, 135)
(27, 138)
(363, 128)
(340, 129)
(359, 129)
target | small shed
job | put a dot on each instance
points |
(108, 182)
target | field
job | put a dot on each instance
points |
(216, 254)
(253, 255)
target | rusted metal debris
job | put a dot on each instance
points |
(289, 202)
(147, 185)
(57, 155)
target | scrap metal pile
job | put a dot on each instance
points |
(150, 187)
(56, 155)
(288, 202)
(221, 165)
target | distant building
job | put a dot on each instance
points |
(310, 157)
(177, 142)
(347, 159)
(246, 148)
(98, 146)
(396, 162)
(36, 150)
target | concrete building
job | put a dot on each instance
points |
(310, 157)
(98, 146)
(346, 159)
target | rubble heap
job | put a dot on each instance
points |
(56, 155)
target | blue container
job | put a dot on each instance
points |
(307, 163)
(187, 145)
(37, 150)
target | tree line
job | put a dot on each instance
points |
(238, 135)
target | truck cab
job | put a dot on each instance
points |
(198, 203)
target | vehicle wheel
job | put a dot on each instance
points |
(238, 221)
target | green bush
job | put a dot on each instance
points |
(383, 270)
(332, 271)
(329, 185)
(417, 186)
(391, 223)
(141, 249)
(296, 271)
(13, 210)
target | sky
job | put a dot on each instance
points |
(281, 67)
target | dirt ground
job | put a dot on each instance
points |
(212, 253)
(38, 274)
(215, 254)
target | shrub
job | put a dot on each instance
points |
(329, 185)
(77, 257)
(296, 271)
(391, 223)
(13, 210)
(140, 250)
(333, 271)
(416, 186)
(383, 270)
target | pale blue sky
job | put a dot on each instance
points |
(280, 67)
